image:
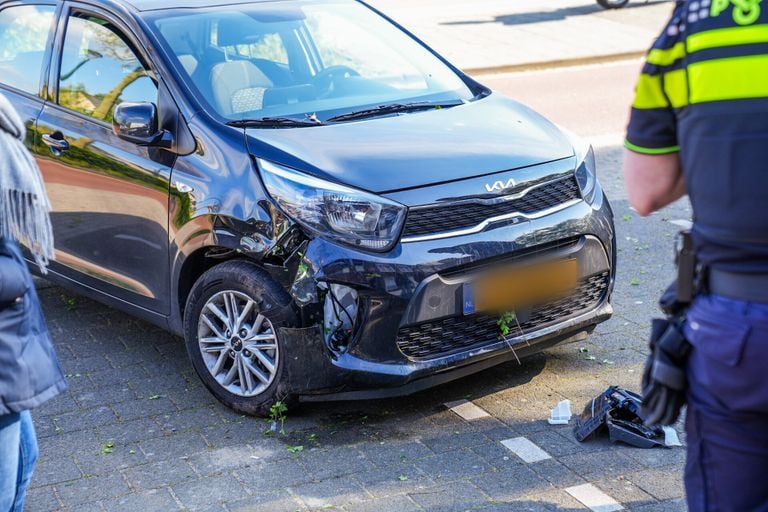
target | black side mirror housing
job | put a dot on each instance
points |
(137, 123)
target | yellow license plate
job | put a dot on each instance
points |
(515, 287)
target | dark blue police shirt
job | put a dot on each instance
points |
(703, 93)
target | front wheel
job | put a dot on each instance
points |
(613, 4)
(231, 327)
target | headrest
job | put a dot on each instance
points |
(238, 30)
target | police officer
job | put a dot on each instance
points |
(699, 125)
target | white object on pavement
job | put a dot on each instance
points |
(595, 499)
(670, 437)
(561, 414)
(467, 410)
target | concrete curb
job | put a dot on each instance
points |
(554, 64)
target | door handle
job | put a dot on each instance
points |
(56, 145)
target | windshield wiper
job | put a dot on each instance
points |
(393, 108)
(274, 122)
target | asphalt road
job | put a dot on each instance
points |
(136, 430)
(591, 101)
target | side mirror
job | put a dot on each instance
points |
(137, 123)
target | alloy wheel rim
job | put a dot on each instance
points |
(238, 344)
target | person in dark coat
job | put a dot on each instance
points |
(29, 371)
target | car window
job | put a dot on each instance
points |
(99, 69)
(301, 58)
(24, 33)
(260, 46)
(342, 40)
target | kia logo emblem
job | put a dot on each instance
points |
(499, 186)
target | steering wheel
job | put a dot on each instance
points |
(326, 78)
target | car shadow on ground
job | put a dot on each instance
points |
(526, 18)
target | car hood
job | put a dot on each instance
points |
(386, 154)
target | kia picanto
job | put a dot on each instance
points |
(319, 203)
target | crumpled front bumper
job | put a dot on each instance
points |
(420, 282)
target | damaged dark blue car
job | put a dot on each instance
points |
(319, 203)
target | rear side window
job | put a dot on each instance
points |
(99, 70)
(24, 33)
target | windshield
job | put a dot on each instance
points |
(300, 58)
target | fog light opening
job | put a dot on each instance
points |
(340, 311)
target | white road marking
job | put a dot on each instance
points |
(525, 449)
(683, 223)
(467, 410)
(593, 498)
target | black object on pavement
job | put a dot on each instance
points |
(618, 412)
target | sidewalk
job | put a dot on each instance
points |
(486, 36)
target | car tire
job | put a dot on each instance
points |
(613, 4)
(231, 323)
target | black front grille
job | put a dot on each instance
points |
(453, 217)
(454, 334)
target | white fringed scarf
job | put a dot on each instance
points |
(24, 206)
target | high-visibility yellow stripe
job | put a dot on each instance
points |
(729, 79)
(676, 87)
(651, 151)
(649, 93)
(666, 57)
(731, 36)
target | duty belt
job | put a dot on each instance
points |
(746, 287)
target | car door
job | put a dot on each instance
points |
(109, 197)
(25, 32)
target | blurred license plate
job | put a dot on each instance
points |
(509, 288)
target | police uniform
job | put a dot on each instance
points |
(703, 93)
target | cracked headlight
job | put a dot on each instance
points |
(334, 211)
(586, 175)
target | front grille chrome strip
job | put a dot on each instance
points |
(487, 222)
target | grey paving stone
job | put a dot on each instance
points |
(83, 365)
(85, 490)
(41, 499)
(596, 465)
(216, 489)
(511, 483)
(678, 505)
(61, 404)
(129, 431)
(556, 473)
(453, 465)
(111, 394)
(333, 462)
(109, 457)
(454, 441)
(400, 478)
(267, 502)
(156, 500)
(84, 419)
(189, 419)
(54, 469)
(218, 460)
(134, 409)
(386, 453)
(334, 492)
(455, 497)
(110, 377)
(663, 484)
(496, 455)
(168, 447)
(45, 427)
(274, 475)
(624, 491)
(63, 444)
(236, 433)
(658, 457)
(393, 503)
(160, 474)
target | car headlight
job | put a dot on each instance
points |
(334, 211)
(586, 175)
